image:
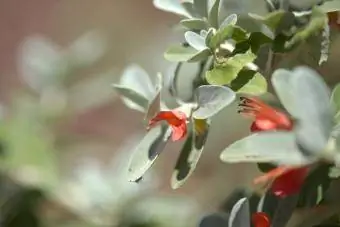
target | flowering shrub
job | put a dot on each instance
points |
(295, 143)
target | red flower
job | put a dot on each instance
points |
(287, 180)
(176, 119)
(265, 117)
(260, 219)
(334, 19)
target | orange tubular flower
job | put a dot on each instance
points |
(176, 119)
(287, 180)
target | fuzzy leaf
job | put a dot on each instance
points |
(275, 147)
(195, 40)
(224, 74)
(220, 36)
(271, 20)
(230, 20)
(172, 6)
(201, 7)
(147, 151)
(191, 152)
(317, 22)
(194, 24)
(185, 54)
(211, 99)
(213, 14)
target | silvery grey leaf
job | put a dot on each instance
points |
(239, 215)
(195, 40)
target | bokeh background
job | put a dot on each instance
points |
(72, 136)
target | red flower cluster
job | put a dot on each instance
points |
(260, 219)
(287, 181)
(176, 119)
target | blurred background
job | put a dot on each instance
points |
(66, 137)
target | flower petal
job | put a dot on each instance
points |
(260, 219)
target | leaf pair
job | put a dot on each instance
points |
(306, 97)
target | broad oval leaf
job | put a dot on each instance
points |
(195, 40)
(148, 150)
(257, 85)
(275, 147)
(211, 99)
(239, 215)
(136, 87)
(172, 6)
(220, 36)
(194, 24)
(191, 152)
(230, 20)
(224, 74)
(213, 14)
(185, 54)
(314, 111)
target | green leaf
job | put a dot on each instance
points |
(211, 99)
(147, 151)
(195, 40)
(257, 85)
(172, 6)
(230, 20)
(220, 36)
(194, 24)
(213, 14)
(239, 34)
(208, 36)
(271, 20)
(316, 24)
(135, 87)
(191, 152)
(155, 104)
(224, 74)
(182, 54)
(257, 39)
(335, 101)
(201, 7)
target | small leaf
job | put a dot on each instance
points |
(172, 6)
(195, 40)
(239, 34)
(257, 85)
(224, 74)
(201, 7)
(239, 215)
(132, 99)
(154, 106)
(213, 14)
(317, 22)
(257, 39)
(211, 99)
(271, 20)
(275, 147)
(183, 54)
(220, 36)
(194, 24)
(335, 101)
(148, 150)
(230, 20)
(208, 36)
(191, 152)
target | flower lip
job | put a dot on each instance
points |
(266, 117)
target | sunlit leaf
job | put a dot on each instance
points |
(230, 20)
(335, 101)
(220, 36)
(271, 20)
(257, 85)
(194, 24)
(183, 54)
(172, 6)
(147, 151)
(135, 87)
(274, 147)
(191, 152)
(224, 74)
(311, 97)
(213, 14)
(239, 215)
(195, 40)
(211, 99)
(317, 22)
